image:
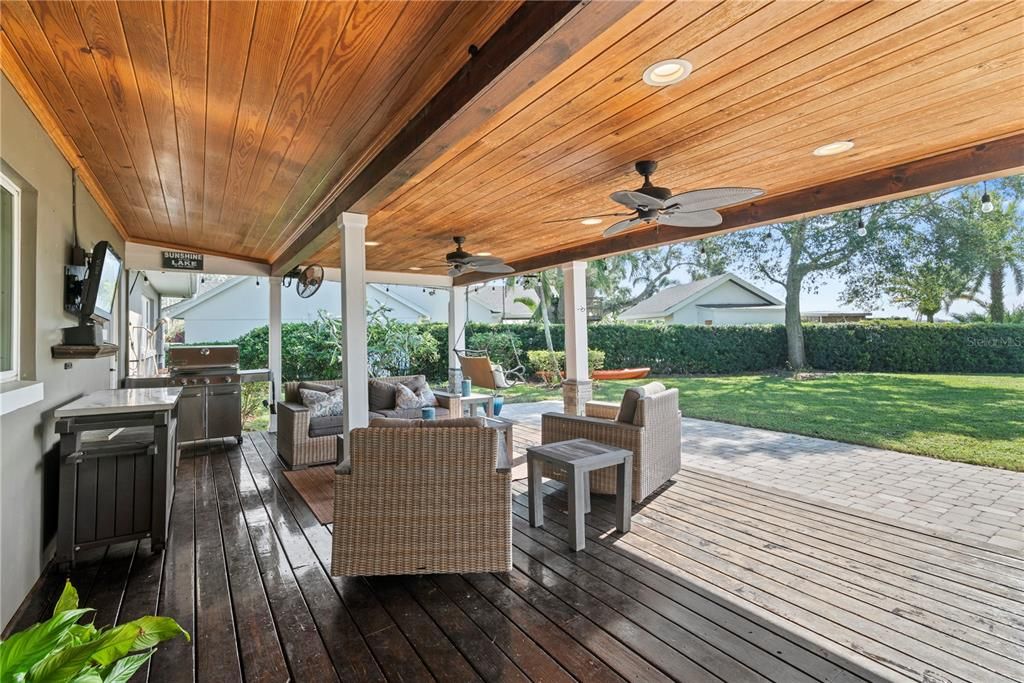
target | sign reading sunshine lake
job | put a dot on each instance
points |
(182, 260)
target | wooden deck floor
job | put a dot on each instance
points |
(718, 581)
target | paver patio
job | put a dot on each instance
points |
(975, 503)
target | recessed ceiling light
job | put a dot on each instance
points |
(667, 72)
(483, 253)
(591, 221)
(415, 268)
(372, 244)
(837, 147)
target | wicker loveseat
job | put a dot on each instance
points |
(422, 497)
(649, 426)
(303, 441)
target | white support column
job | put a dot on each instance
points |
(457, 315)
(274, 347)
(355, 394)
(577, 388)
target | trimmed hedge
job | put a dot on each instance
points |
(916, 347)
(884, 346)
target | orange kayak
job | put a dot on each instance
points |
(624, 373)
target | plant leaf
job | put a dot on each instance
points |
(68, 599)
(90, 676)
(115, 643)
(23, 650)
(126, 667)
(154, 630)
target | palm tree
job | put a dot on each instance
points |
(999, 236)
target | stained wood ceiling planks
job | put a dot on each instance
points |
(208, 125)
(229, 127)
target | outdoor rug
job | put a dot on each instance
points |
(316, 486)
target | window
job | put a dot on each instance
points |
(10, 229)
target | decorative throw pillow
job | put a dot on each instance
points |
(382, 395)
(426, 395)
(321, 404)
(419, 386)
(406, 398)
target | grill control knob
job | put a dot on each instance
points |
(206, 380)
(184, 382)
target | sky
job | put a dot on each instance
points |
(828, 296)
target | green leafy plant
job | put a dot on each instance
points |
(61, 649)
(543, 364)
(393, 347)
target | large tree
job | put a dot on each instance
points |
(799, 255)
(955, 250)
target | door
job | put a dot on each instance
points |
(192, 414)
(224, 411)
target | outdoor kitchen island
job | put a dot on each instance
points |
(117, 460)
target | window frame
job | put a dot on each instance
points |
(14, 374)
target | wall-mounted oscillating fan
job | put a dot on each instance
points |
(307, 280)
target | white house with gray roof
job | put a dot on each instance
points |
(721, 300)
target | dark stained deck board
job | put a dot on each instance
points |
(888, 636)
(718, 581)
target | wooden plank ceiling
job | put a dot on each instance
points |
(221, 126)
(214, 125)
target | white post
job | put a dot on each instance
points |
(576, 389)
(274, 347)
(457, 314)
(354, 371)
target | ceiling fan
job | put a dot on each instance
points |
(461, 261)
(652, 204)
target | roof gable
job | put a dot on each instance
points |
(669, 300)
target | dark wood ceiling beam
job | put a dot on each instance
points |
(1000, 157)
(534, 40)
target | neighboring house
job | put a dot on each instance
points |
(834, 316)
(721, 300)
(238, 305)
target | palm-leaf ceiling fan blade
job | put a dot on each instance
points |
(593, 215)
(708, 218)
(623, 226)
(456, 271)
(481, 260)
(636, 200)
(711, 198)
(494, 268)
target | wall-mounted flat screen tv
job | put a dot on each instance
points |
(101, 286)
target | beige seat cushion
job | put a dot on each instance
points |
(632, 396)
(400, 423)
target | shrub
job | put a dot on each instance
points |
(540, 361)
(877, 346)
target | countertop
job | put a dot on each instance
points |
(118, 401)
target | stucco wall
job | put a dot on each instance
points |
(27, 464)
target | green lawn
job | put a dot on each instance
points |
(975, 419)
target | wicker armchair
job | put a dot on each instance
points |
(422, 500)
(299, 446)
(294, 444)
(653, 436)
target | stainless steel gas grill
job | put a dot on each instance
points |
(210, 406)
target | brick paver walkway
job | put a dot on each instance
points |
(975, 503)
